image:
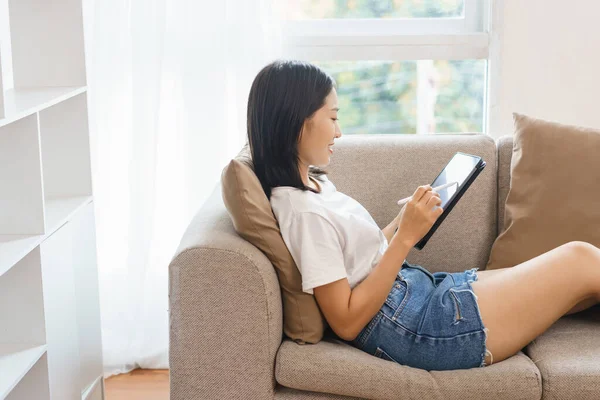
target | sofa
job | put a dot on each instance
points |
(226, 338)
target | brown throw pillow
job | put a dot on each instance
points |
(253, 220)
(554, 191)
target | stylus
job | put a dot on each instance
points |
(435, 189)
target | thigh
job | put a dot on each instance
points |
(484, 275)
(520, 303)
(582, 305)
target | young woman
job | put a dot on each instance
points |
(371, 296)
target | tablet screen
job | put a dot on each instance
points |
(458, 170)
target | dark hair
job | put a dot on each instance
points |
(283, 95)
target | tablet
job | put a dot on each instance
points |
(463, 168)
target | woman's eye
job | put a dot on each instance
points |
(335, 119)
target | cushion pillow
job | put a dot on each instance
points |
(253, 219)
(554, 191)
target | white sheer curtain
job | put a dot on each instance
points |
(168, 87)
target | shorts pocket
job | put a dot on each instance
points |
(380, 353)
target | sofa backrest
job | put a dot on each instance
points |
(378, 169)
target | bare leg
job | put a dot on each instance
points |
(582, 305)
(520, 303)
(483, 275)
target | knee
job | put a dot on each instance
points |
(586, 257)
(584, 249)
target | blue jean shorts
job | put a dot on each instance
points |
(429, 321)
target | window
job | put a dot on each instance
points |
(401, 66)
(319, 9)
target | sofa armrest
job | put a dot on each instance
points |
(226, 320)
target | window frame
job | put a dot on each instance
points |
(475, 35)
(400, 39)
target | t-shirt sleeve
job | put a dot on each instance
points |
(315, 246)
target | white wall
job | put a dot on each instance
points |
(549, 63)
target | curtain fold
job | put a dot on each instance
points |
(168, 84)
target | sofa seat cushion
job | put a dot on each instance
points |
(333, 366)
(568, 356)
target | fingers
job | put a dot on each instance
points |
(421, 190)
(433, 199)
(426, 199)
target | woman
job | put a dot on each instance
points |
(371, 296)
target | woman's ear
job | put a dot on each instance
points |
(302, 129)
(306, 125)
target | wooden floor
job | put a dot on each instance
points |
(146, 384)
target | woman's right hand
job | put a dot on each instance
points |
(418, 215)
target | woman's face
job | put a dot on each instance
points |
(318, 133)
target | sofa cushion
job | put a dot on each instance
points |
(286, 393)
(568, 356)
(253, 219)
(332, 366)
(552, 200)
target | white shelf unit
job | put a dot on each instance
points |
(50, 337)
(21, 356)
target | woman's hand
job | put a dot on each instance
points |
(417, 216)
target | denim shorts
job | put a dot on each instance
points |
(429, 321)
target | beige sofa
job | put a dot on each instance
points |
(226, 339)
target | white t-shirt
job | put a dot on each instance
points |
(330, 235)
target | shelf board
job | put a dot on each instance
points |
(85, 393)
(58, 211)
(19, 103)
(15, 361)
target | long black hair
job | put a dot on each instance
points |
(283, 95)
